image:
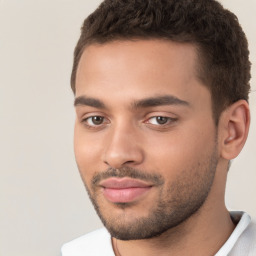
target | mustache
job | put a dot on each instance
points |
(128, 172)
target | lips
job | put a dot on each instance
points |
(124, 190)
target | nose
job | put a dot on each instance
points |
(123, 148)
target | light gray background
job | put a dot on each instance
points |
(43, 202)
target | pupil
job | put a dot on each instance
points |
(97, 120)
(161, 120)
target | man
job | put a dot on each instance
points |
(161, 90)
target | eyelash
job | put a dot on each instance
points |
(93, 126)
(169, 121)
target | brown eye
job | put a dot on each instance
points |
(97, 120)
(159, 120)
(94, 120)
(162, 119)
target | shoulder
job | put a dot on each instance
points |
(96, 243)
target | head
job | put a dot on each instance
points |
(161, 99)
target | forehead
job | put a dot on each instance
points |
(136, 56)
(137, 69)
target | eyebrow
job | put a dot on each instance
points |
(87, 101)
(159, 101)
(143, 103)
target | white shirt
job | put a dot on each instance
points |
(242, 242)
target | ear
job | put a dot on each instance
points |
(233, 129)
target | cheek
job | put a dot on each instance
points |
(87, 152)
(177, 151)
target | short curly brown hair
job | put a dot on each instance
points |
(223, 54)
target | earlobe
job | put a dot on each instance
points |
(233, 128)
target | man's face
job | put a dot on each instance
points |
(145, 139)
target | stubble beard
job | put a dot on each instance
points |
(177, 201)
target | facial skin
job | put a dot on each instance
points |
(150, 155)
(129, 140)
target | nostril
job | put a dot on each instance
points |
(118, 165)
(129, 162)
